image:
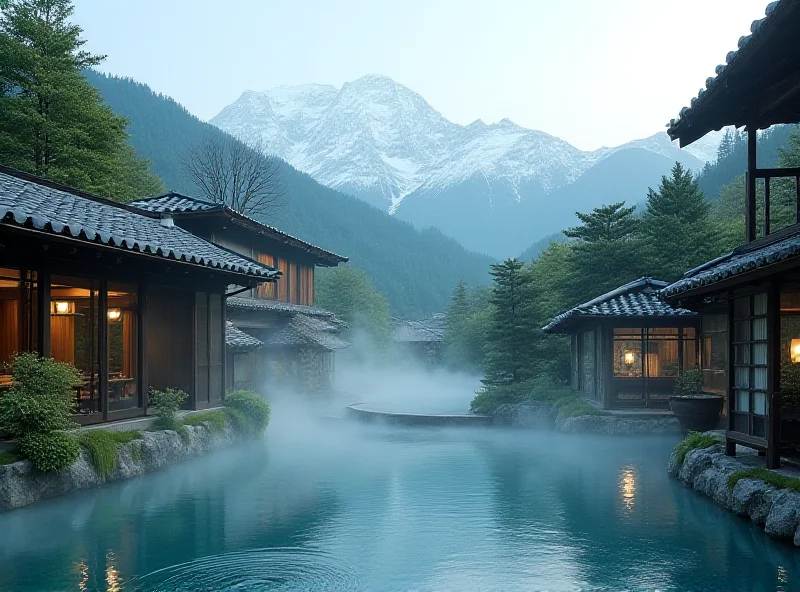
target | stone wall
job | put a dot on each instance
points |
(707, 471)
(21, 484)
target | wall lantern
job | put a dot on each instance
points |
(114, 314)
(794, 350)
(63, 307)
(629, 358)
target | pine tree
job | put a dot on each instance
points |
(511, 326)
(53, 123)
(606, 254)
(676, 228)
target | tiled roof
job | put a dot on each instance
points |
(239, 341)
(759, 30)
(427, 330)
(176, 203)
(29, 202)
(285, 308)
(305, 331)
(740, 261)
(637, 299)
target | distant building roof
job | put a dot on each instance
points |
(178, 204)
(746, 89)
(284, 308)
(37, 204)
(636, 299)
(238, 341)
(744, 259)
(306, 331)
(426, 330)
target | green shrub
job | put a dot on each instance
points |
(255, 412)
(577, 408)
(689, 382)
(102, 446)
(769, 477)
(50, 451)
(216, 421)
(7, 458)
(546, 390)
(237, 418)
(41, 398)
(167, 403)
(694, 441)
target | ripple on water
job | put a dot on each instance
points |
(285, 569)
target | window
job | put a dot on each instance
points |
(628, 346)
(714, 354)
(750, 365)
(17, 317)
(790, 342)
(123, 343)
(75, 337)
(661, 360)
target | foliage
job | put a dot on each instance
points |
(415, 269)
(349, 293)
(694, 441)
(215, 421)
(53, 123)
(167, 403)
(689, 382)
(255, 412)
(511, 326)
(676, 231)
(7, 458)
(466, 328)
(772, 478)
(41, 398)
(578, 408)
(103, 447)
(544, 389)
(238, 419)
(49, 451)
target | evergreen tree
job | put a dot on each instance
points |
(53, 123)
(511, 326)
(606, 254)
(676, 228)
(465, 329)
(349, 293)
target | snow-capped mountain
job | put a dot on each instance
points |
(383, 142)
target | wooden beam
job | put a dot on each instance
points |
(750, 180)
(773, 374)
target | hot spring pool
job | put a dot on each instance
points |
(349, 507)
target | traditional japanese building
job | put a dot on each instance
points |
(133, 301)
(628, 346)
(421, 339)
(750, 298)
(298, 339)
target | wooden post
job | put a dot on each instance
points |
(102, 338)
(766, 206)
(144, 384)
(750, 180)
(774, 375)
(730, 447)
(43, 313)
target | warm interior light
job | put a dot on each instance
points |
(629, 357)
(61, 307)
(114, 314)
(794, 350)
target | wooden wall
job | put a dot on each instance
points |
(170, 338)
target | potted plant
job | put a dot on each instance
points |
(696, 411)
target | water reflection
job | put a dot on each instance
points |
(112, 575)
(627, 486)
(83, 569)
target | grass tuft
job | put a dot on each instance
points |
(694, 441)
(577, 408)
(769, 477)
(8, 458)
(102, 447)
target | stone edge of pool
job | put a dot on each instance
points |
(533, 418)
(707, 471)
(21, 485)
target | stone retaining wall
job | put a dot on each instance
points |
(414, 419)
(21, 484)
(707, 471)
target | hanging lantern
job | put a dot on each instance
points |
(794, 350)
(629, 358)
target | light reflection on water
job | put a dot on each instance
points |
(397, 509)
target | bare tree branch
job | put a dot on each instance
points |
(229, 172)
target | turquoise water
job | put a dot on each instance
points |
(339, 507)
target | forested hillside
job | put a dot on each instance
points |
(416, 270)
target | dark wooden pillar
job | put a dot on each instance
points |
(102, 337)
(774, 375)
(144, 383)
(730, 447)
(43, 313)
(750, 180)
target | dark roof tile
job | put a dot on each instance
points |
(238, 341)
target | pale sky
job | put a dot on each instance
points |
(593, 72)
